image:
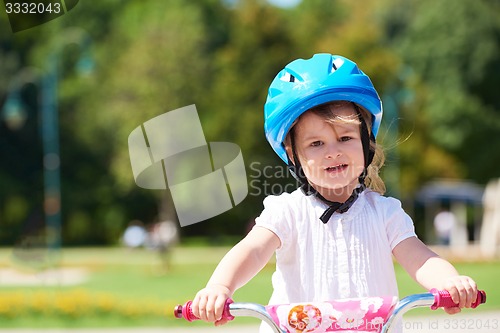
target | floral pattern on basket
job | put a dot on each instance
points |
(348, 315)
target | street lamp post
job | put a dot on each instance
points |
(51, 157)
(50, 133)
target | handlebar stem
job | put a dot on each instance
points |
(406, 304)
(253, 310)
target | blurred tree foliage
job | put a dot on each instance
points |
(435, 62)
(452, 49)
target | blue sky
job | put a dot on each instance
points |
(284, 3)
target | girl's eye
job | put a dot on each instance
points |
(316, 143)
(345, 138)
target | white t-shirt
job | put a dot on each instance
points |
(349, 257)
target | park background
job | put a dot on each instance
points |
(436, 65)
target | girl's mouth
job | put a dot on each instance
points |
(336, 168)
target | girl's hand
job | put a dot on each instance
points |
(463, 291)
(209, 303)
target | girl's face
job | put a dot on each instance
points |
(331, 154)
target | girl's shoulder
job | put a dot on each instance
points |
(382, 203)
(280, 214)
(398, 225)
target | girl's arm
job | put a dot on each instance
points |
(432, 271)
(237, 267)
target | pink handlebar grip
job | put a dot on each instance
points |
(185, 311)
(442, 299)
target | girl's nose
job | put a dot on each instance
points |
(332, 152)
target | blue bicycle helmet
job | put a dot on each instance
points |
(304, 84)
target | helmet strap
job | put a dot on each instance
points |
(339, 207)
(366, 139)
(296, 170)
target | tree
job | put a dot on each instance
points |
(456, 57)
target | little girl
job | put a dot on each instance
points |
(336, 236)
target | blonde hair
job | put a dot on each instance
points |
(327, 112)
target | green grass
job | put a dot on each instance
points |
(137, 276)
(132, 276)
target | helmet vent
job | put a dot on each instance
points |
(336, 64)
(287, 77)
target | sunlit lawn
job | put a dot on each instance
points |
(137, 277)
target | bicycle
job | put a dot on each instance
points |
(369, 314)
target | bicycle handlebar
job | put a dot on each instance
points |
(443, 299)
(185, 311)
(434, 299)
